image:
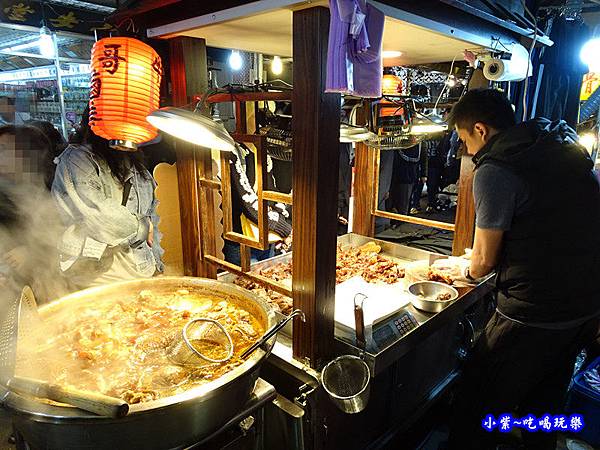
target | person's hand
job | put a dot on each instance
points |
(16, 258)
(342, 220)
(150, 239)
(454, 266)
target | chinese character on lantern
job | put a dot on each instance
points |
(110, 60)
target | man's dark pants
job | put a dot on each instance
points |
(520, 370)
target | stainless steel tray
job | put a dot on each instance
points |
(400, 253)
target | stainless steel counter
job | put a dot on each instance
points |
(410, 374)
(428, 323)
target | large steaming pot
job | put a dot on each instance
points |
(166, 423)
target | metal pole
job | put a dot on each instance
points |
(61, 94)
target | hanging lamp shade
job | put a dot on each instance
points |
(125, 88)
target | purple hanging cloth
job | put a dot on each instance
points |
(339, 67)
(368, 65)
(354, 64)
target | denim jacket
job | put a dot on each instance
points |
(89, 201)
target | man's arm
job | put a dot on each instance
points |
(486, 251)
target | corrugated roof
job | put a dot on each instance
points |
(18, 49)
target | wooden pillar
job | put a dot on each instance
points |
(189, 77)
(363, 221)
(465, 210)
(315, 126)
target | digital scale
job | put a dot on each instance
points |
(385, 315)
(391, 330)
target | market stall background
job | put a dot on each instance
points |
(281, 45)
(29, 85)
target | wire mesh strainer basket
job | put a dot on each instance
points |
(346, 380)
(201, 341)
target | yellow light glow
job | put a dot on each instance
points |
(391, 84)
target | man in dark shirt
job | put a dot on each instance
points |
(537, 220)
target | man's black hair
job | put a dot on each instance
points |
(488, 106)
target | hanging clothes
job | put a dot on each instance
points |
(354, 64)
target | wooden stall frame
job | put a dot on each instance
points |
(395, 216)
(315, 146)
(315, 155)
(206, 183)
(366, 188)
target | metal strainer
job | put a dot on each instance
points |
(202, 340)
(20, 319)
(346, 380)
(22, 325)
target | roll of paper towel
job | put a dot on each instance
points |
(504, 70)
(514, 69)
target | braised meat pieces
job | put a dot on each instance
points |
(365, 261)
(438, 275)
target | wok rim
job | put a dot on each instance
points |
(47, 412)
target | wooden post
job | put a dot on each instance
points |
(189, 77)
(465, 211)
(364, 161)
(315, 126)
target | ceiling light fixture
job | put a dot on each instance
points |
(276, 65)
(391, 54)
(46, 43)
(235, 60)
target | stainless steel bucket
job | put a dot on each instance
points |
(347, 380)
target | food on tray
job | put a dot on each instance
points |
(439, 275)
(118, 346)
(278, 301)
(364, 261)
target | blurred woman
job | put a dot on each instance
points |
(28, 217)
(106, 202)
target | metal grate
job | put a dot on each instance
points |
(279, 143)
(8, 339)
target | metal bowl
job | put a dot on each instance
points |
(424, 295)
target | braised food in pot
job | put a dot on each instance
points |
(118, 346)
